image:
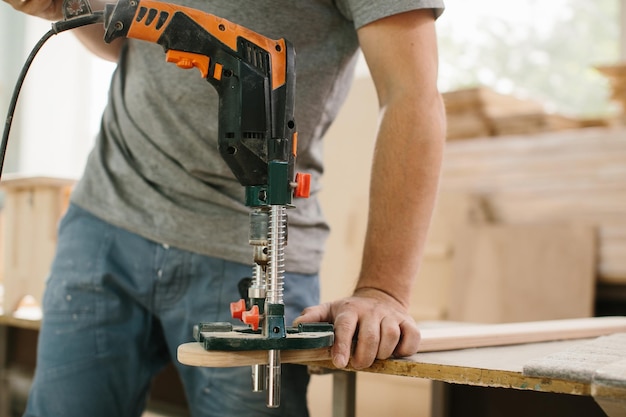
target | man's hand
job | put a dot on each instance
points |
(375, 324)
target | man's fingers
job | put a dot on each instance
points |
(367, 345)
(345, 328)
(319, 313)
(409, 342)
(390, 336)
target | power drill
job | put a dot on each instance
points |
(255, 80)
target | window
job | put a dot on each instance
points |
(543, 50)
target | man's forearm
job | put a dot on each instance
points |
(92, 37)
(405, 173)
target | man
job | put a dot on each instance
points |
(156, 237)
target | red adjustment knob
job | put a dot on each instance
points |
(251, 317)
(303, 185)
(237, 308)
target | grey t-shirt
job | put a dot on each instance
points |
(155, 169)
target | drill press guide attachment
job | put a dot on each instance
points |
(254, 77)
(225, 336)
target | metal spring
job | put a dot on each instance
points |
(276, 246)
(257, 278)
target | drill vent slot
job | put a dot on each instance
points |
(162, 19)
(255, 56)
(254, 135)
(141, 14)
(151, 15)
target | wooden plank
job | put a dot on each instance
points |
(480, 112)
(464, 337)
(466, 125)
(194, 354)
(488, 102)
(601, 136)
(513, 273)
(430, 297)
(433, 339)
(531, 123)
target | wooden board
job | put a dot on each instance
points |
(480, 112)
(433, 339)
(514, 273)
(488, 102)
(430, 298)
(531, 123)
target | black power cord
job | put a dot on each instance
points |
(57, 27)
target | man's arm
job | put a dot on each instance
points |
(91, 36)
(401, 52)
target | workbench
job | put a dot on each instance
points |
(487, 380)
(564, 366)
(490, 381)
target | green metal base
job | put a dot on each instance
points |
(225, 336)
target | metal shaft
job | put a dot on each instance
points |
(259, 219)
(275, 285)
(259, 377)
(273, 385)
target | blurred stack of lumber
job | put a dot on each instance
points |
(526, 229)
(481, 112)
(573, 177)
(616, 74)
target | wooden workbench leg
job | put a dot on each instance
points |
(440, 394)
(612, 408)
(344, 394)
(608, 388)
(5, 401)
(612, 400)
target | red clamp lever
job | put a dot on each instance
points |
(303, 185)
(251, 317)
(237, 308)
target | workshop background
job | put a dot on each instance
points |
(531, 219)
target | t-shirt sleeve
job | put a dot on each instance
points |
(362, 12)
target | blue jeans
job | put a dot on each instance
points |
(117, 306)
